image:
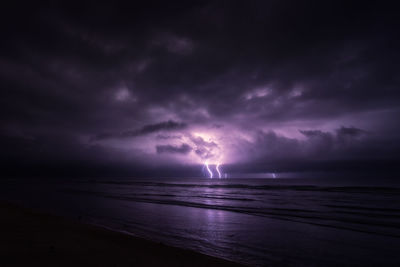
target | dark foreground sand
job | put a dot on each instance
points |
(29, 238)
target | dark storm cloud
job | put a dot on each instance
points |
(147, 129)
(182, 149)
(326, 142)
(242, 46)
(344, 143)
(166, 137)
(350, 131)
(70, 72)
(322, 151)
(314, 133)
(167, 125)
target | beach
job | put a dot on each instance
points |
(255, 222)
(32, 238)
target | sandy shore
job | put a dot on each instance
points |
(30, 238)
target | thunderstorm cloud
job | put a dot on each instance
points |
(137, 87)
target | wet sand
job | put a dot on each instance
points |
(31, 238)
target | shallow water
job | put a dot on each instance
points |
(297, 222)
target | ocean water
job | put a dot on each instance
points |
(285, 222)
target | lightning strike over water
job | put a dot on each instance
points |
(208, 169)
(219, 173)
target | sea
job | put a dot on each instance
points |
(256, 222)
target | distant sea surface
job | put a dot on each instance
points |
(289, 222)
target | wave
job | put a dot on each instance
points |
(335, 218)
(223, 185)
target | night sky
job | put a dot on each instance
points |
(159, 89)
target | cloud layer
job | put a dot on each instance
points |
(251, 84)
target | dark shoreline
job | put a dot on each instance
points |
(32, 238)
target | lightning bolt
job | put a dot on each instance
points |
(208, 169)
(217, 168)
